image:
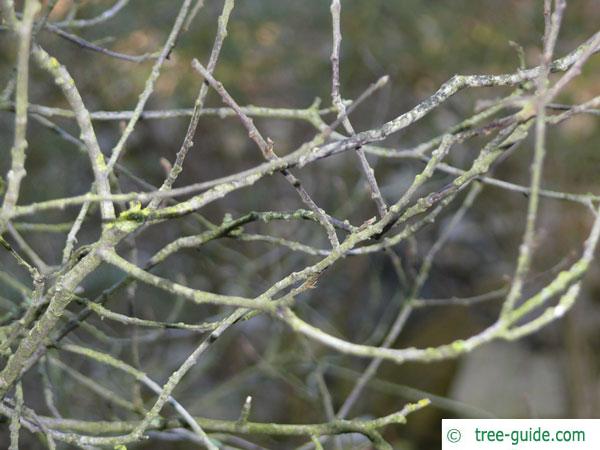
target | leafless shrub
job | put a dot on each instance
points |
(40, 330)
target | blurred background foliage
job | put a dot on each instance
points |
(277, 54)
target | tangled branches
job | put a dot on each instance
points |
(57, 305)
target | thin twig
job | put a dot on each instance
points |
(198, 105)
(266, 148)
